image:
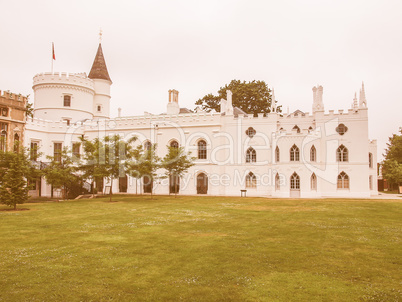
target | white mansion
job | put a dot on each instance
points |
(279, 155)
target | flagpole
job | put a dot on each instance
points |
(53, 56)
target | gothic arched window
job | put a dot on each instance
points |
(342, 153)
(370, 160)
(295, 181)
(16, 143)
(277, 182)
(174, 144)
(294, 153)
(202, 149)
(313, 154)
(277, 154)
(147, 145)
(313, 182)
(251, 180)
(296, 128)
(3, 137)
(251, 155)
(343, 181)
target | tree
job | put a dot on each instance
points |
(60, 172)
(176, 163)
(106, 158)
(252, 97)
(15, 170)
(392, 165)
(89, 163)
(29, 109)
(145, 165)
(134, 166)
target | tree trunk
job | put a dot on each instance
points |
(15, 206)
(110, 192)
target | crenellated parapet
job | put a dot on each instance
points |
(73, 79)
(60, 126)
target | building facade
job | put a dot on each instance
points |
(317, 154)
(12, 120)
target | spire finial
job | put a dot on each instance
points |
(362, 97)
(100, 35)
(273, 101)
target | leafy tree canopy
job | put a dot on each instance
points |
(392, 165)
(15, 170)
(61, 172)
(252, 97)
(106, 158)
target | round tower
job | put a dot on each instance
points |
(63, 96)
(102, 83)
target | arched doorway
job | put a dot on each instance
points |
(202, 183)
(295, 185)
(174, 184)
(147, 181)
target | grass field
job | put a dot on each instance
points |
(202, 249)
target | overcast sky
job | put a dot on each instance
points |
(198, 46)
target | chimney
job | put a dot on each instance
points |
(119, 112)
(173, 105)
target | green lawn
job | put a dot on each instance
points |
(202, 249)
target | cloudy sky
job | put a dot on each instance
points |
(196, 47)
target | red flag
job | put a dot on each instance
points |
(54, 56)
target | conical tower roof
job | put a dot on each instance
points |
(99, 69)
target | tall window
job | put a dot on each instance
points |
(202, 149)
(277, 182)
(16, 143)
(294, 153)
(174, 144)
(277, 154)
(371, 182)
(3, 136)
(295, 181)
(57, 151)
(76, 150)
(342, 153)
(313, 182)
(147, 145)
(343, 181)
(67, 101)
(33, 151)
(313, 154)
(251, 155)
(296, 128)
(251, 180)
(370, 160)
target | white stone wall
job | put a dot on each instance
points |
(227, 141)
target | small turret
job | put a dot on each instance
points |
(102, 83)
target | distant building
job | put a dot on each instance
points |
(12, 120)
(298, 154)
